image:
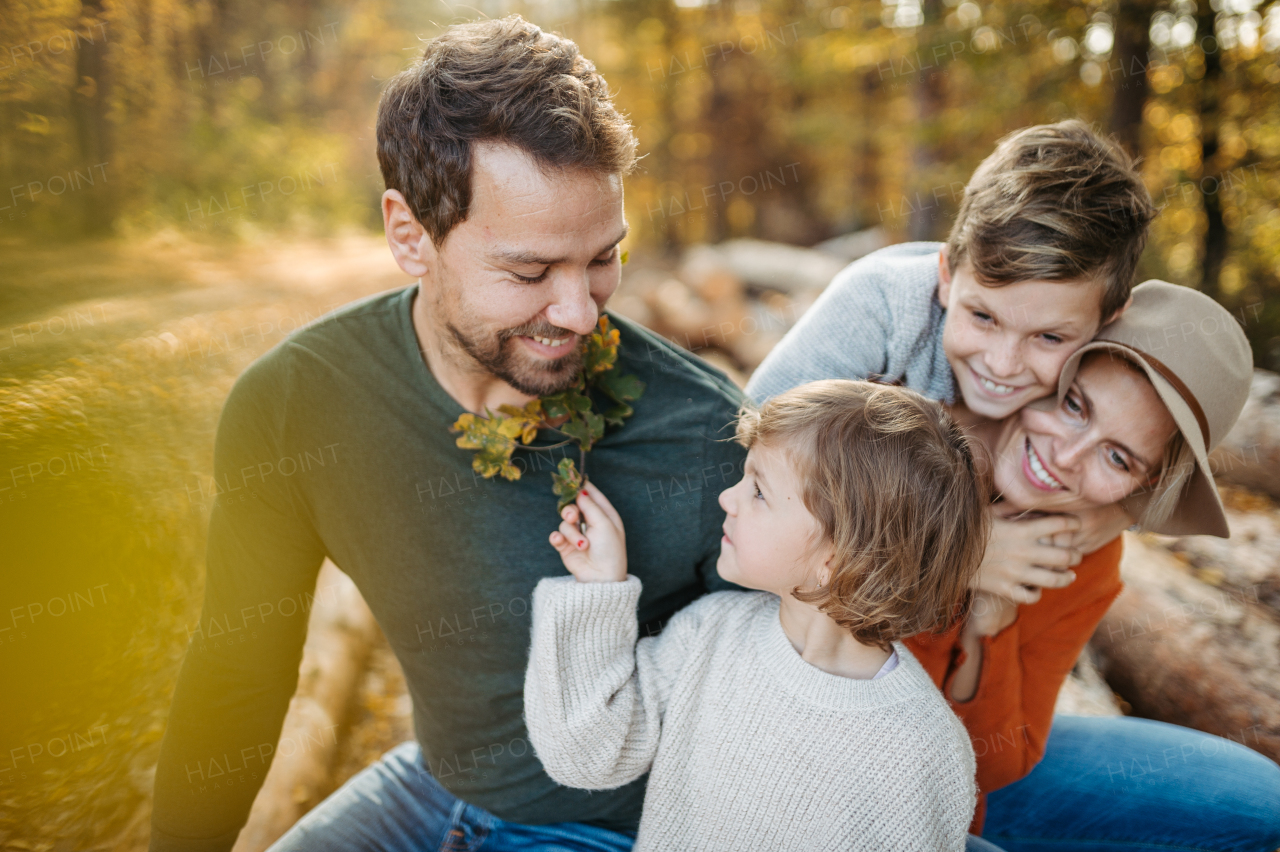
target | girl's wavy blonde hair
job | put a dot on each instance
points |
(893, 483)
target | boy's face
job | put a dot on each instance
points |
(1006, 345)
(768, 530)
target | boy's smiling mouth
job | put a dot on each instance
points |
(1037, 473)
(995, 388)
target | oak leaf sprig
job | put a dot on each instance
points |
(571, 412)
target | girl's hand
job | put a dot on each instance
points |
(600, 554)
(990, 614)
(1099, 526)
(1025, 556)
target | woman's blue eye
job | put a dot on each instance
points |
(1118, 461)
(757, 490)
(1071, 405)
(1051, 338)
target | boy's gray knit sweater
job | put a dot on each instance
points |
(879, 316)
(751, 747)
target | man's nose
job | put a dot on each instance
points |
(572, 307)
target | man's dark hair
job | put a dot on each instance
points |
(504, 81)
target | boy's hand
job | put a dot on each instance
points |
(1099, 526)
(1025, 556)
(600, 554)
(990, 614)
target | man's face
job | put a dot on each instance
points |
(1006, 345)
(523, 279)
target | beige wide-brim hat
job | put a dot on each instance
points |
(1198, 359)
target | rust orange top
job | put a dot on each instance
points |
(1023, 667)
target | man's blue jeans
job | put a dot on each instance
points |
(1119, 783)
(1104, 785)
(396, 806)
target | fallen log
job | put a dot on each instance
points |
(1181, 651)
(1247, 565)
(340, 633)
(1084, 692)
(1249, 456)
(765, 265)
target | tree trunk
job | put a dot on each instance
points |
(1214, 250)
(1128, 71)
(1181, 651)
(90, 100)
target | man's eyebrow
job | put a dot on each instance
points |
(1146, 465)
(528, 258)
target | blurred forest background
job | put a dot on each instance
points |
(184, 182)
(791, 120)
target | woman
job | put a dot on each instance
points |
(1136, 414)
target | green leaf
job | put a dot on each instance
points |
(566, 482)
(555, 406)
(620, 388)
(578, 431)
(595, 423)
(616, 415)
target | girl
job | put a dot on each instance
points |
(791, 717)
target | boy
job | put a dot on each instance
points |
(1042, 254)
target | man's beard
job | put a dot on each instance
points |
(500, 355)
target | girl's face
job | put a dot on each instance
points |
(1103, 442)
(768, 531)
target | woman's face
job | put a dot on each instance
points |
(1104, 441)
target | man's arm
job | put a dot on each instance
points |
(241, 666)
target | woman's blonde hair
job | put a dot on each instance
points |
(892, 481)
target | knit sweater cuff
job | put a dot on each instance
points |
(603, 612)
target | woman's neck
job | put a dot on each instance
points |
(826, 645)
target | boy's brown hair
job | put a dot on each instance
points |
(1054, 202)
(503, 80)
(893, 484)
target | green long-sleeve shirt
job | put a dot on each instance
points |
(336, 443)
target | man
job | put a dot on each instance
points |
(503, 159)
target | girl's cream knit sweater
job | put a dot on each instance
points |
(748, 746)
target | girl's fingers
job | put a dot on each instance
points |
(604, 504)
(560, 543)
(573, 537)
(591, 510)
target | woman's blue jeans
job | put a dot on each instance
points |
(1117, 783)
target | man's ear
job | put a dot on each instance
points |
(410, 243)
(1118, 312)
(944, 277)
